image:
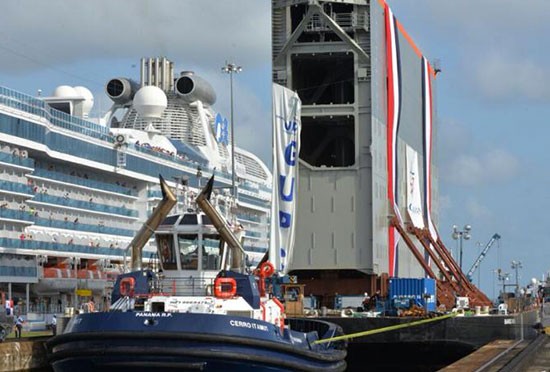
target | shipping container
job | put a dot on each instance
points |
(421, 291)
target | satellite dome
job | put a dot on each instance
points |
(150, 102)
(64, 91)
(88, 99)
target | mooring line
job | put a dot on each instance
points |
(384, 329)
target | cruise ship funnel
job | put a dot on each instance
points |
(193, 88)
(121, 90)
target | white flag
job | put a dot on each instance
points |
(286, 148)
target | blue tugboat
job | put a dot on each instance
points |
(203, 310)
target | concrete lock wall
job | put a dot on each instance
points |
(22, 356)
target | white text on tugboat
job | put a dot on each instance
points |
(154, 315)
(241, 324)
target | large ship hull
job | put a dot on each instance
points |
(144, 341)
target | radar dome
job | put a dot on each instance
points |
(150, 102)
(64, 91)
(88, 99)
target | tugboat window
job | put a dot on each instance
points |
(211, 252)
(189, 253)
(206, 220)
(189, 219)
(166, 252)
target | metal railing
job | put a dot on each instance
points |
(186, 286)
(17, 160)
(59, 247)
(16, 187)
(84, 182)
(83, 204)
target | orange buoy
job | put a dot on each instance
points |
(225, 287)
(266, 269)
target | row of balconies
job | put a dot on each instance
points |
(82, 204)
(84, 181)
(25, 243)
(15, 271)
(17, 160)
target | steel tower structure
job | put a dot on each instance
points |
(333, 53)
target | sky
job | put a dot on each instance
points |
(492, 95)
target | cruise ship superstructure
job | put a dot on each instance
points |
(73, 192)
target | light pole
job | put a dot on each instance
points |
(494, 271)
(516, 265)
(231, 68)
(75, 262)
(503, 277)
(461, 235)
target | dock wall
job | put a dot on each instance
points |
(23, 356)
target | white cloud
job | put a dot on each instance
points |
(58, 32)
(453, 138)
(463, 35)
(467, 161)
(495, 165)
(445, 203)
(501, 165)
(501, 76)
(465, 170)
(487, 19)
(478, 211)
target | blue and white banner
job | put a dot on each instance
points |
(286, 148)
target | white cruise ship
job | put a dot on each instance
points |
(73, 191)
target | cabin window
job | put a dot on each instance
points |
(189, 253)
(206, 220)
(211, 253)
(65, 107)
(157, 307)
(166, 252)
(170, 220)
(189, 219)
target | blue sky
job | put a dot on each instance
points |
(492, 95)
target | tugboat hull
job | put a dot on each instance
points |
(141, 341)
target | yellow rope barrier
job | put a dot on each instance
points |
(384, 329)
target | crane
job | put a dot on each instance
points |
(481, 256)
